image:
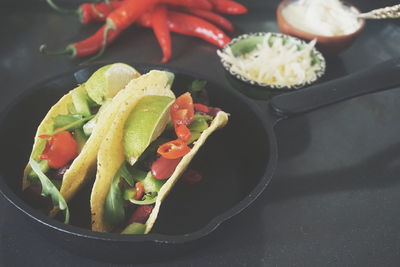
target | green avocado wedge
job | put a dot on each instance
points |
(80, 100)
(108, 80)
(145, 123)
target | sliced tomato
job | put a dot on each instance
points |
(183, 132)
(141, 214)
(139, 191)
(201, 108)
(163, 168)
(173, 149)
(60, 149)
(182, 110)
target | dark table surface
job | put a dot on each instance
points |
(334, 200)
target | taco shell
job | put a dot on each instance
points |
(111, 154)
(83, 166)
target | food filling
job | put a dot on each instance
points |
(58, 148)
(135, 187)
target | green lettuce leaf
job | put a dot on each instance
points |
(50, 190)
(114, 210)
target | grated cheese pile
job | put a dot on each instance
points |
(279, 64)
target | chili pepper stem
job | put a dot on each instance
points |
(60, 9)
(43, 49)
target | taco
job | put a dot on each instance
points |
(65, 146)
(150, 144)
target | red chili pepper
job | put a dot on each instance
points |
(145, 20)
(86, 47)
(89, 12)
(202, 4)
(212, 17)
(141, 214)
(162, 168)
(161, 30)
(128, 12)
(60, 149)
(97, 11)
(194, 26)
(183, 132)
(229, 7)
(173, 149)
(191, 176)
(182, 110)
(201, 108)
(191, 26)
(139, 191)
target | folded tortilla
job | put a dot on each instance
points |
(111, 153)
(83, 166)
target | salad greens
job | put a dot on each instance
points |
(49, 189)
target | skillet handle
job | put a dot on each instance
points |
(380, 77)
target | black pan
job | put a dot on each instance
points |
(238, 162)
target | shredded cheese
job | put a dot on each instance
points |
(280, 62)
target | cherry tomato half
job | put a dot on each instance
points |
(139, 191)
(163, 168)
(141, 214)
(183, 132)
(60, 149)
(173, 149)
(182, 110)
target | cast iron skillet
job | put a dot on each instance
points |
(238, 163)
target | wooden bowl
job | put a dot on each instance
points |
(326, 44)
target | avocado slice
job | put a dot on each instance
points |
(80, 101)
(134, 228)
(108, 80)
(145, 123)
(80, 138)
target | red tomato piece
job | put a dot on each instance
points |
(173, 149)
(182, 110)
(201, 108)
(141, 214)
(139, 191)
(163, 168)
(60, 149)
(183, 132)
(191, 176)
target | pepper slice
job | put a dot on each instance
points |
(60, 149)
(139, 191)
(182, 110)
(173, 149)
(183, 132)
(201, 108)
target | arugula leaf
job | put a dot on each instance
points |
(114, 211)
(131, 175)
(148, 199)
(197, 86)
(49, 189)
(63, 120)
(73, 125)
